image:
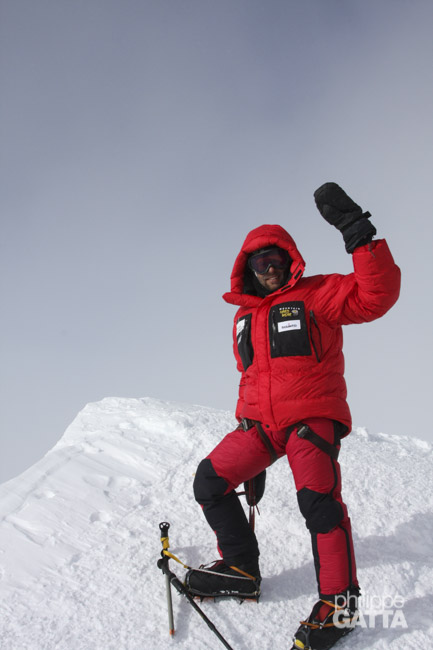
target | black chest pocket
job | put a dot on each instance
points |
(288, 332)
(243, 340)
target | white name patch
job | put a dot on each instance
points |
(286, 325)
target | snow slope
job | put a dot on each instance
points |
(79, 538)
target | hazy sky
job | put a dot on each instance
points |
(140, 142)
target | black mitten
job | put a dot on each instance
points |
(340, 211)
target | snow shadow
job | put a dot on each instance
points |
(290, 583)
(411, 542)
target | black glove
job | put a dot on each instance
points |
(340, 211)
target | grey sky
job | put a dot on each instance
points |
(141, 141)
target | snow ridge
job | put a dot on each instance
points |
(79, 537)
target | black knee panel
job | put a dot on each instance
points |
(321, 511)
(208, 486)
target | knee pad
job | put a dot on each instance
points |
(321, 511)
(208, 486)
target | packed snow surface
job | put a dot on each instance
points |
(80, 539)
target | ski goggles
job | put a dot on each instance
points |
(262, 262)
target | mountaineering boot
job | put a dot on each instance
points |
(330, 620)
(221, 580)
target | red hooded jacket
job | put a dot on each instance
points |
(288, 345)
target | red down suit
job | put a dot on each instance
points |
(288, 347)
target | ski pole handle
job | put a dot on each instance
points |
(163, 527)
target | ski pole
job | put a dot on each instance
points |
(164, 526)
(172, 579)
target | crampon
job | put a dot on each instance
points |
(326, 625)
(218, 580)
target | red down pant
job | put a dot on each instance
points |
(241, 455)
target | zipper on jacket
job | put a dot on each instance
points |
(274, 331)
(313, 321)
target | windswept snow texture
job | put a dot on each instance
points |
(79, 538)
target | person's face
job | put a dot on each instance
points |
(272, 280)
